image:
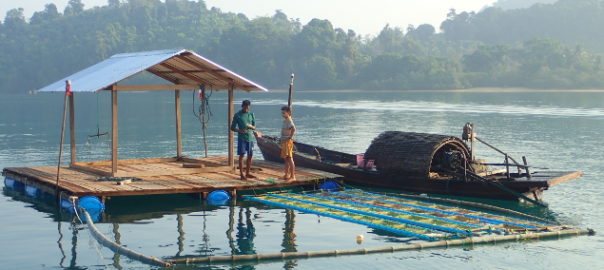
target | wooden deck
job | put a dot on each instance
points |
(160, 176)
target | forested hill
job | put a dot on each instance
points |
(544, 46)
(569, 21)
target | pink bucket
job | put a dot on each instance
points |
(361, 162)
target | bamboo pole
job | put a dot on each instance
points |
(72, 137)
(231, 113)
(178, 113)
(105, 241)
(114, 133)
(418, 246)
(67, 93)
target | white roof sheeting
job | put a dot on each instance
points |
(176, 66)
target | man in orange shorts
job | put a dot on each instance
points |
(287, 143)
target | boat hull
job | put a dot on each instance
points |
(318, 158)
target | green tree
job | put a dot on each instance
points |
(50, 13)
(74, 7)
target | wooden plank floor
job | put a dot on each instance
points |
(160, 176)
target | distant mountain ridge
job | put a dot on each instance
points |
(518, 4)
(544, 46)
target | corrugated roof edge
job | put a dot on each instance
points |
(58, 86)
(228, 70)
(145, 53)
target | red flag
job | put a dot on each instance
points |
(68, 88)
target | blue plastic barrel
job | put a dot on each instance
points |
(67, 206)
(12, 184)
(330, 185)
(93, 206)
(218, 198)
(32, 191)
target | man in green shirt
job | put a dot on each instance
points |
(244, 124)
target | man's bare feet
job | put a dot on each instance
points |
(250, 176)
(285, 177)
(291, 179)
(243, 177)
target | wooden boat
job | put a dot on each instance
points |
(422, 163)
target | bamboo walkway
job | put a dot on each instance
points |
(160, 176)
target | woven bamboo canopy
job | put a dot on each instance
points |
(412, 154)
(182, 69)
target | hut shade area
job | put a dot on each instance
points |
(182, 70)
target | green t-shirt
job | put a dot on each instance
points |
(240, 121)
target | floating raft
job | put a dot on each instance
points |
(405, 217)
(159, 176)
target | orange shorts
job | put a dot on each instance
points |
(287, 148)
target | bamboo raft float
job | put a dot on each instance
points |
(159, 176)
(424, 224)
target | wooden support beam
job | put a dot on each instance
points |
(231, 113)
(190, 76)
(158, 74)
(215, 73)
(114, 137)
(72, 137)
(178, 123)
(154, 87)
(86, 169)
(127, 161)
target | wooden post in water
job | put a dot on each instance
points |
(114, 137)
(67, 94)
(291, 92)
(72, 137)
(178, 123)
(231, 113)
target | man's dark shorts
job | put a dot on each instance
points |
(245, 147)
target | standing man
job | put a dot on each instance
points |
(244, 124)
(287, 144)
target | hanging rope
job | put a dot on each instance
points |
(203, 113)
(98, 134)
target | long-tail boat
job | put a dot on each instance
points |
(425, 163)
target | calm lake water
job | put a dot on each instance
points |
(557, 130)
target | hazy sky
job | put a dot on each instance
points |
(365, 17)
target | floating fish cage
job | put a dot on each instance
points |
(424, 224)
(407, 217)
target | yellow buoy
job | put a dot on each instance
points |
(360, 239)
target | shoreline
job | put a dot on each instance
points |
(469, 90)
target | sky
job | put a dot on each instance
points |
(364, 17)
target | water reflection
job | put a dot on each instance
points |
(241, 219)
(143, 210)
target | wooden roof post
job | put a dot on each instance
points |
(72, 137)
(178, 124)
(114, 137)
(231, 113)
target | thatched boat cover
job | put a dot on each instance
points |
(412, 154)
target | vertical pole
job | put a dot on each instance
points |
(528, 174)
(178, 123)
(231, 113)
(67, 93)
(114, 137)
(72, 137)
(507, 166)
(472, 142)
(291, 92)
